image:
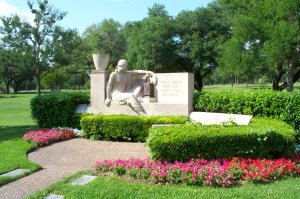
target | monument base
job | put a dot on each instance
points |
(149, 108)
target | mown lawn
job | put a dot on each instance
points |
(114, 187)
(226, 87)
(16, 120)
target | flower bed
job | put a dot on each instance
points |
(220, 172)
(47, 136)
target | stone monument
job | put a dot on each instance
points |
(141, 92)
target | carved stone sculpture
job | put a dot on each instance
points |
(126, 87)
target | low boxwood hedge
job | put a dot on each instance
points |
(58, 109)
(123, 127)
(267, 103)
(281, 105)
(263, 137)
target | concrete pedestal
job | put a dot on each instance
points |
(98, 87)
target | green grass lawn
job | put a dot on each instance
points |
(114, 187)
(226, 87)
(16, 120)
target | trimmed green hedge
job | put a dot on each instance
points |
(263, 137)
(123, 127)
(281, 105)
(58, 109)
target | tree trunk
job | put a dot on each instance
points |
(7, 89)
(198, 80)
(38, 85)
(295, 79)
(289, 78)
(276, 78)
(291, 74)
(27, 86)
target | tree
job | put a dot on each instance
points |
(150, 42)
(55, 80)
(106, 37)
(37, 38)
(272, 28)
(200, 36)
(71, 54)
(238, 61)
(14, 68)
(5, 71)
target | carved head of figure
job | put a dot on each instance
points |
(122, 66)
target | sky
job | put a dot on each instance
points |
(83, 13)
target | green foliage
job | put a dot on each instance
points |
(206, 29)
(263, 137)
(37, 40)
(150, 44)
(55, 80)
(106, 37)
(280, 105)
(123, 127)
(58, 110)
(265, 35)
(14, 68)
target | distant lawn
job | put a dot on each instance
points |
(15, 121)
(224, 87)
(15, 110)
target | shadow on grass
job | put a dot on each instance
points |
(14, 132)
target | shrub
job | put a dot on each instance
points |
(263, 137)
(123, 127)
(280, 105)
(58, 109)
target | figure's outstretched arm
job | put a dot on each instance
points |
(149, 75)
(109, 88)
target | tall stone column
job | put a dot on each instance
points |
(98, 87)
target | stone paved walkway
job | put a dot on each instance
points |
(65, 158)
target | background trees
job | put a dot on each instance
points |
(36, 39)
(201, 34)
(106, 37)
(150, 42)
(269, 31)
(228, 41)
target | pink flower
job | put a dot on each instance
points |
(220, 172)
(46, 136)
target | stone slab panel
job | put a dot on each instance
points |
(175, 88)
(83, 108)
(84, 180)
(207, 118)
(14, 173)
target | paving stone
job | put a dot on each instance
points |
(14, 173)
(54, 196)
(84, 180)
